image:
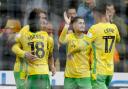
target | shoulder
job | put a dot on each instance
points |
(93, 27)
(50, 39)
(70, 35)
(44, 33)
(24, 29)
(113, 25)
(93, 30)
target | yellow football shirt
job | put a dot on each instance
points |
(78, 64)
(19, 61)
(40, 45)
(103, 37)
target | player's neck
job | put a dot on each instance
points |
(78, 35)
(102, 20)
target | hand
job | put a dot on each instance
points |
(69, 56)
(67, 20)
(30, 57)
(53, 70)
(109, 16)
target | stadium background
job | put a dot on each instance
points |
(18, 9)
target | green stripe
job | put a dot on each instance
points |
(95, 60)
(23, 63)
(20, 84)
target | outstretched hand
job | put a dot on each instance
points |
(30, 57)
(67, 20)
(53, 70)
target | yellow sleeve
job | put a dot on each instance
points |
(62, 38)
(50, 45)
(91, 35)
(22, 31)
(91, 57)
(91, 61)
(16, 48)
(117, 35)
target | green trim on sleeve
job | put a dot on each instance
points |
(95, 60)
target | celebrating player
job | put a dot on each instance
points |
(77, 72)
(37, 48)
(103, 36)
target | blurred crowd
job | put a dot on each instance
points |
(13, 17)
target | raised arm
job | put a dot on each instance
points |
(62, 38)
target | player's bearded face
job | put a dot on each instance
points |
(79, 26)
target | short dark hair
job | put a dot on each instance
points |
(75, 19)
(35, 13)
(100, 8)
(70, 7)
(33, 19)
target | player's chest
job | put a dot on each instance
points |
(73, 43)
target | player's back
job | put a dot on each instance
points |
(37, 44)
(104, 37)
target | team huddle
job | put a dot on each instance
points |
(89, 62)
